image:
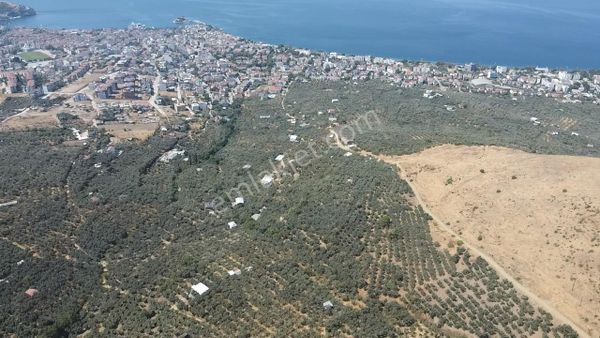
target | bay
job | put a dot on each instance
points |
(552, 33)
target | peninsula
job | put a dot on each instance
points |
(9, 11)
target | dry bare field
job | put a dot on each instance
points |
(538, 216)
(31, 119)
(122, 131)
(81, 83)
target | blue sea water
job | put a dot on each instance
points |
(554, 33)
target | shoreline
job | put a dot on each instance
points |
(22, 23)
(174, 26)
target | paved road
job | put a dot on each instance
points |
(152, 100)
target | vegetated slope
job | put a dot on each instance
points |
(560, 128)
(537, 215)
(14, 105)
(411, 123)
(125, 235)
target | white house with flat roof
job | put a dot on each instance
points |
(267, 180)
(199, 288)
(238, 201)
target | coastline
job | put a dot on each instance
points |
(194, 22)
(404, 37)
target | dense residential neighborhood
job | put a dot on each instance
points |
(199, 66)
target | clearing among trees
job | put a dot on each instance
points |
(536, 215)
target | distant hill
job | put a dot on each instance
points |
(13, 11)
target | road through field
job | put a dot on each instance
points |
(473, 249)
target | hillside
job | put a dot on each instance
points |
(114, 236)
(537, 215)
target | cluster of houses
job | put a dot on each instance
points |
(125, 113)
(123, 86)
(20, 81)
(204, 66)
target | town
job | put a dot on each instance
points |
(135, 76)
(188, 182)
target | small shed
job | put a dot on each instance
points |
(328, 305)
(232, 225)
(199, 288)
(234, 272)
(267, 180)
(31, 293)
(238, 201)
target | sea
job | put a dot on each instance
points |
(545, 33)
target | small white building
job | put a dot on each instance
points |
(328, 305)
(234, 272)
(279, 158)
(199, 288)
(293, 138)
(232, 225)
(170, 155)
(238, 201)
(267, 180)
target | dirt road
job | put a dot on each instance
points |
(473, 249)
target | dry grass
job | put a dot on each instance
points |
(122, 131)
(31, 119)
(81, 83)
(47, 119)
(536, 215)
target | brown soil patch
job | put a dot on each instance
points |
(38, 118)
(124, 131)
(538, 216)
(31, 119)
(81, 84)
